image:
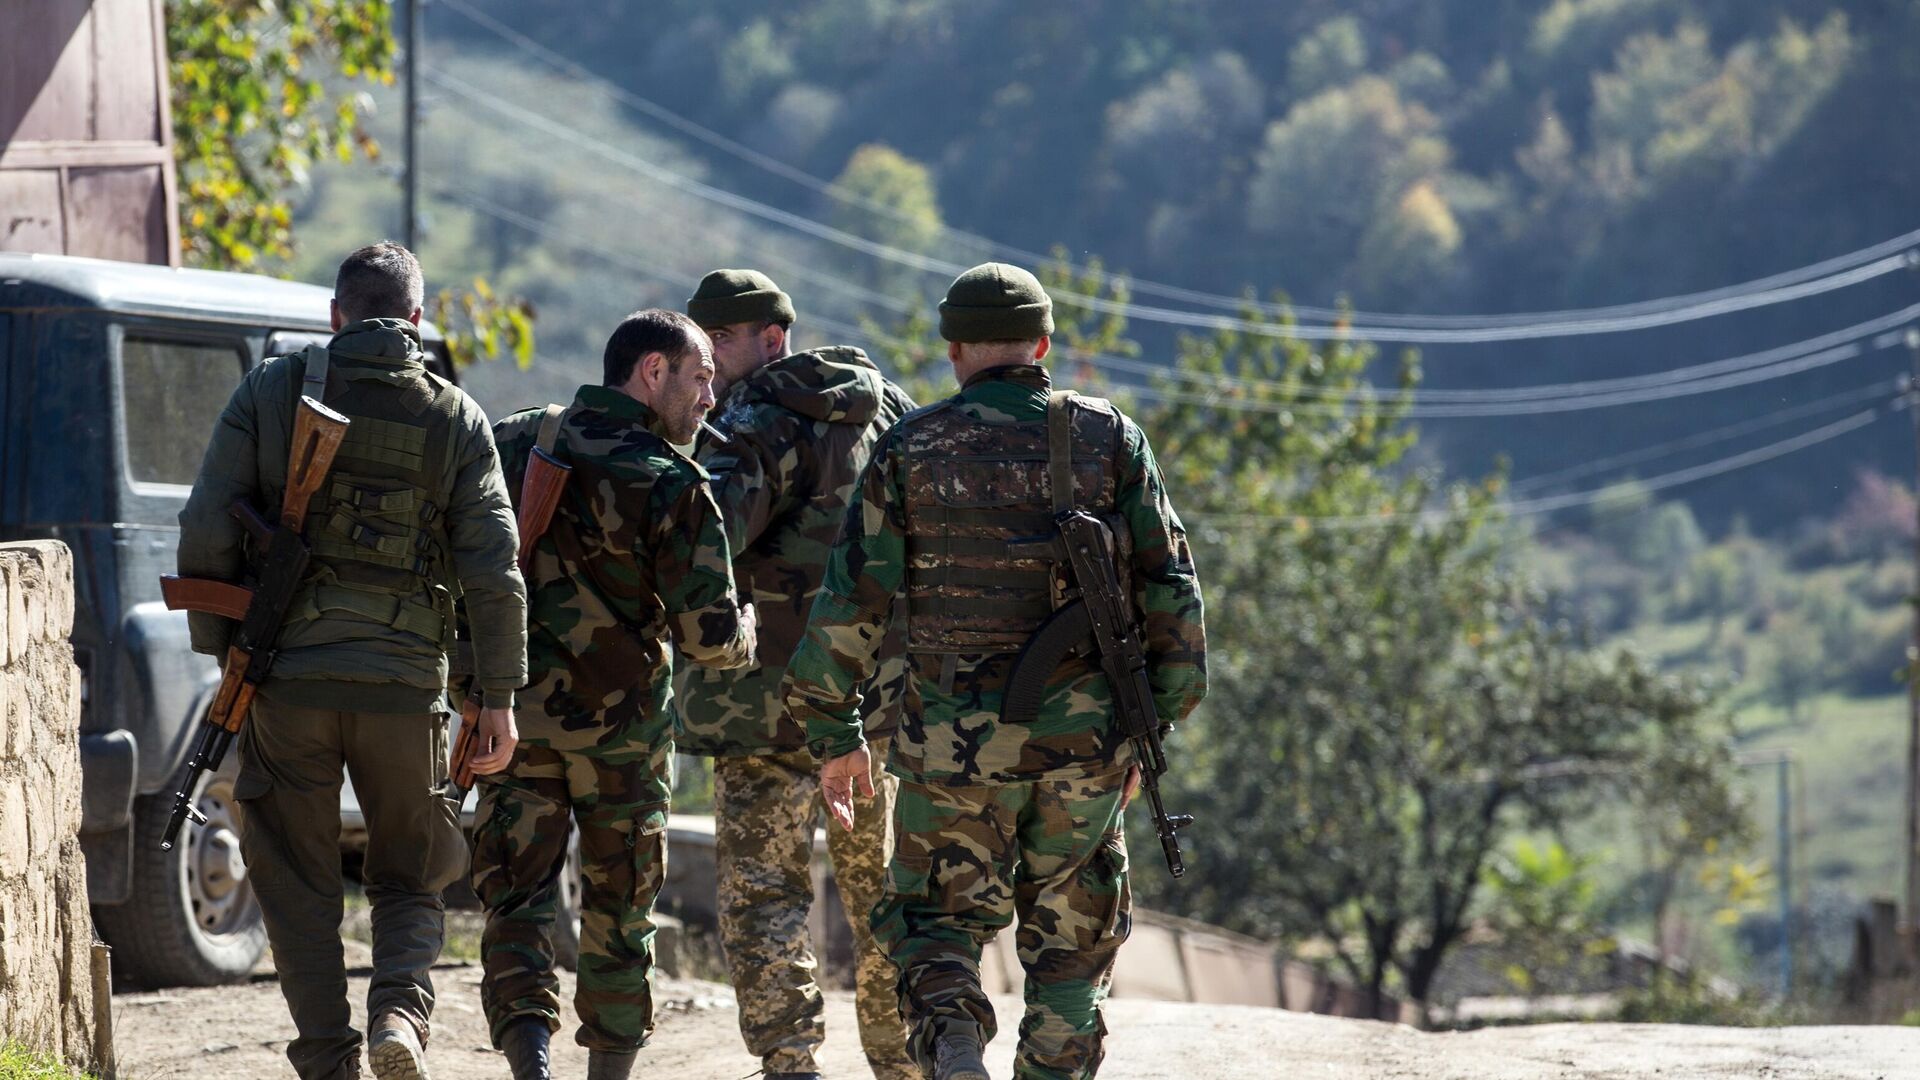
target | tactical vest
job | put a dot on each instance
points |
(974, 492)
(377, 530)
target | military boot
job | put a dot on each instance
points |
(610, 1064)
(396, 1049)
(525, 1044)
(957, 1057)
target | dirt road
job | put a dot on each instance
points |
(242, 1032)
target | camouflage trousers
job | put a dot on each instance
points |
(968, 861)
(765, 810)
(519, 852)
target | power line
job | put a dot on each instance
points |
(1732, 372)
(1193, 320)
(1882, 389)
(1553, 503)
(1775, 288)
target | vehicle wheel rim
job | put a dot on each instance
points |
(213, 873)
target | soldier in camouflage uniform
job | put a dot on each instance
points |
(634, 559)
(796, 429)
(997, 823)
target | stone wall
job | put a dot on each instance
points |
(46, 933)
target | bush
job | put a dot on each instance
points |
(19, 1063)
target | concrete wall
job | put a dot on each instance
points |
(46, 934)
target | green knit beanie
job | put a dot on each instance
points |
(726, 297)
(996, 302)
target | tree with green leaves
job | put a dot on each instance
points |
(1390, 700)
(252, 115)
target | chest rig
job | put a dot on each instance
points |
(378, 531)
(983, 571)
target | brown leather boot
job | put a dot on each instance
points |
(397, 1049)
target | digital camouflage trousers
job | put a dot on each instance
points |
(1047, 857)
(519, 852)
(765, 811)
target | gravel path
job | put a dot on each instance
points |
(242, 1031)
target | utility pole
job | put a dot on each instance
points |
(1785, 799)
(1912, 911)
(410, 229)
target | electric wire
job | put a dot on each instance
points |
(1774, 288)
(1103, 305)
(1553, 503)
(1825, 350)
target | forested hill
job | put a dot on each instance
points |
(1409, 155)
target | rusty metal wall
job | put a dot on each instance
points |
(86, 142)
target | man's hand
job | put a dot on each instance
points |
(750, 626)
(1132, 787)
(838, 778)
(498, 737)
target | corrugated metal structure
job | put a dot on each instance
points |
(86, 140)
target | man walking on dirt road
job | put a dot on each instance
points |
(633, 564)
(793, 431)
(1001, 818)
(414, 512)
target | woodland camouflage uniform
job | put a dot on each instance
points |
(634, 559)
(998, 823)
(797, 432)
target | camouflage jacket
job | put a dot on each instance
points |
(634, 556)
(955, 736)
(799, 430)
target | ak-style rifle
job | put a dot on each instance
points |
(280, 564)
(541, 486)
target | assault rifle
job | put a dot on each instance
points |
(280, 564)
(540, 490)
(1099, 617)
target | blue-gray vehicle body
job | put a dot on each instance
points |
(108, 367)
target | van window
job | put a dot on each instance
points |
(173, 392)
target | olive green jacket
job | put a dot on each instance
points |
(359, 664)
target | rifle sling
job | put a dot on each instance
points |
(1060, 449)
(550, 423)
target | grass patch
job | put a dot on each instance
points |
(19, 1063)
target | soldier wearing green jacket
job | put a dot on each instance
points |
(633, 565)
(997, 823)
(795, 429)
(413, 515)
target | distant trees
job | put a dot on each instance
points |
(1391, 702)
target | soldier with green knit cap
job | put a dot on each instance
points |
(998, 822)
(795, 429)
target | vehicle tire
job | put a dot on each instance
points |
(193, 919)
(566, 920)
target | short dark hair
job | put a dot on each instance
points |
(380, 281)
(653, 330)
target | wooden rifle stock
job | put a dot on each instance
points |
(281, 566)
(205, 595)
(540, 488)
(460, 769)
(317, 432)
